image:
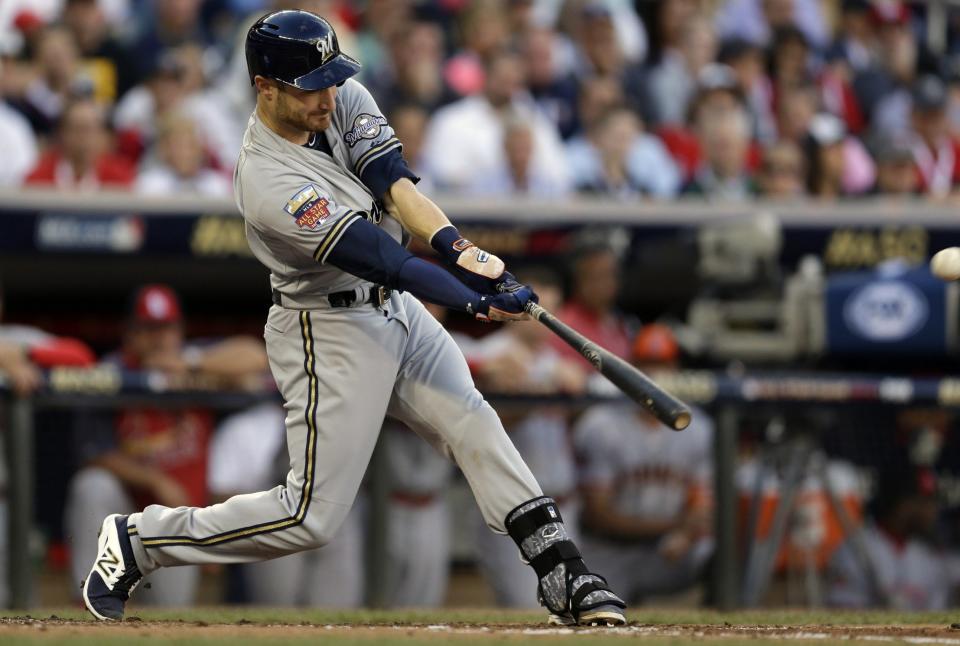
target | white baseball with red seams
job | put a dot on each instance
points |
(945, 263)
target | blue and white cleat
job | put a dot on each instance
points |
(114, 574)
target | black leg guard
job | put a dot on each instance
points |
(567, 589)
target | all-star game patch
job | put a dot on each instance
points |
(308, 208)
(365, 126)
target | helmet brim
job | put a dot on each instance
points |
(331, 73)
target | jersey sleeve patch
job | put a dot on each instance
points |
(365, 126)
(308, 208)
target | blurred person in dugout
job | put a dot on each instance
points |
(139, 456)
(646, 491)
(903, 566)
(24, 352)
(248, 453)
(591, 308)
(519, 359)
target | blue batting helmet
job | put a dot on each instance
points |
(297, 48)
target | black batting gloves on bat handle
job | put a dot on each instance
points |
(509, 305)
(479, 270)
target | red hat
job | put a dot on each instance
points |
(655, 343)
(155, 304)
(889, 12)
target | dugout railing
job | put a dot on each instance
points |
(726, 396)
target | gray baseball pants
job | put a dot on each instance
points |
(340, 371)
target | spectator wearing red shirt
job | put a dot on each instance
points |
(936, 154)
(148, 455)
(82, 160)
(591, 308)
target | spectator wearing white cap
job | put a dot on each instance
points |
(837, 165)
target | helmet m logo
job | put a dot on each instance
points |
(326, 47)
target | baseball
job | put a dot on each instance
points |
(945, 263)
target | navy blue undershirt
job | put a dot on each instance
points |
(367, 251)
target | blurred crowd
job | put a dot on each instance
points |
(724, 99)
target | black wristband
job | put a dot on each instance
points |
(449, 244)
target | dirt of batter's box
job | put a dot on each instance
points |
(14, 626)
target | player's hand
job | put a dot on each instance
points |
(508, 305)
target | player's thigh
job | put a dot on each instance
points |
(335, 370)
(434, 389)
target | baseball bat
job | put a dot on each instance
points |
(636, 385)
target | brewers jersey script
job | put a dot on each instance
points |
(277, 182)
(340, 365)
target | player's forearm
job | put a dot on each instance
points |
(418, 214)
(129, 471)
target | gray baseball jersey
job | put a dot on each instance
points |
(297, 202)
(340, 367)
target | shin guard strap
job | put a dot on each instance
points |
(526, 525)
(544, 562)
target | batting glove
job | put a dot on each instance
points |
(509, 305)
(479, 270)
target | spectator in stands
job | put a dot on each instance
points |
(746, 61)
(617, 158)
(591, 307)
(646, 491)
(823, 147)
(145, 455)
(836, 92)
(896, 173)
(483, 31)
(167, 24)
(789, 58)
(248, 453)
(104, 58)
(724, 138)
(596, 96)
(782, 173)
(717, 92)
(519, 359)
(518, 175)
(902, 567)
(81, 159)
(416, 55)
(475, 125)
(855, 41)
(58, 78)
(553, 89)
(178, 83)
(673, 82)
(409, 122)
(20, 146)
(936, 154)
(758, 20)
(796, 106)
(601, 51)
(178, 164)
(883, 89)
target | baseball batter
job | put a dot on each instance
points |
(327, 200)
